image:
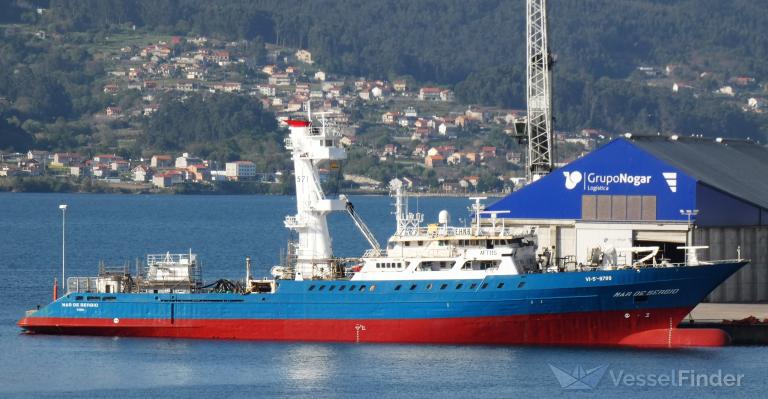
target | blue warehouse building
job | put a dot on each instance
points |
(644, 190)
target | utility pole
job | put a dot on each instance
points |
(539, 91)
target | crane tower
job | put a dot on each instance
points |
(539, 97)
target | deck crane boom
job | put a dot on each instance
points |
(361, 225)
(539, 91)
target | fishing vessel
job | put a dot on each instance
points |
(483, 283)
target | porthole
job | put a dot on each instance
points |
(429, 287)
(521, 284)
(413, 287)
(322, 287)
(397, 287)
(473, 286)
(331, 288)
(459, 285)
(342, 287)
(311, 287)
(501, 285)
(352, 287)
(362, 288)
(484, 286)
(373, 288)
(443, 286)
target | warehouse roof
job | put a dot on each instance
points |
(737, 167)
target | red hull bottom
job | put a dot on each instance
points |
(653, 328)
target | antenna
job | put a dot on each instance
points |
(477, 207)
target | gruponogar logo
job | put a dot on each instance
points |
(671, 179)
(579, 378)
(572, 179)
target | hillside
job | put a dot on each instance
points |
(612, 71)
(479, 47)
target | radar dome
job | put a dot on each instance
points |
(444, 217)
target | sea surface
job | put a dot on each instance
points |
(223, 230)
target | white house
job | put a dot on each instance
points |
(186, 161)
(240, 170)
(141, 173)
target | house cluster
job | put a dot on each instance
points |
(164, 66)
(289, 82)
(32, 163)
(162, 170)
(165, 170)
(449, 155)
(691, 80)
(424, 127)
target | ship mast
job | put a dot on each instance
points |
(310, 144)
(408, 223)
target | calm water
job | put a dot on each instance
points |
(223, 230)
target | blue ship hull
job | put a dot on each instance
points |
(612, 307)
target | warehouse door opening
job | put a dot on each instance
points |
(667, 241)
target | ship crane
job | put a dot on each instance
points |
(361, 225)
(538, 91)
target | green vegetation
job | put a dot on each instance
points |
(54, 184)
(198, 119)
(57, 62)
(478, 46)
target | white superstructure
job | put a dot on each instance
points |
(311, 144)
(414, 252)
(442, 251)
